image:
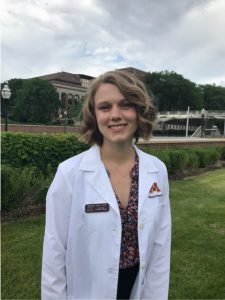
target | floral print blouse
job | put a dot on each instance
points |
(129, 254)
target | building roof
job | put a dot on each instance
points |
(75, 79)
(85, 76)
(62, 77)
(140, 74)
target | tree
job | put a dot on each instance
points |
(36, 101)
(77, 111)
(173, 92)
(213, 97)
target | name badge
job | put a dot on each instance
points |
(99, 207)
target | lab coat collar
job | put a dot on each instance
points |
(92, 159)
(145, 161)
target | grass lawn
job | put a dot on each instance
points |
(198, 244)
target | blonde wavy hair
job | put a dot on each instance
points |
(134, 91)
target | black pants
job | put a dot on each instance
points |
(126, 281)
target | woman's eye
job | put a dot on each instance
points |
(126, 104)
(104, 107)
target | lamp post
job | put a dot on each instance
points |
(65, 117)
(60, 115)
(6, 94)
(203, 119)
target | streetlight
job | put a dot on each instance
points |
(203, 119)
(60, 114)
(6, 94)
(65, 116)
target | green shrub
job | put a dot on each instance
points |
(22, 187)
(193, 161)
(39, 150)
(178, 160)
(14, 187)
(207, 156)
(222, 152)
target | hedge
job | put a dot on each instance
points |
(45, 152)
(179, 160)
(42, 151)
(29, 162)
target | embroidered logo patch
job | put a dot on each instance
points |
(154, 191)
(154, 188)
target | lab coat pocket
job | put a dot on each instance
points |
(96, 220)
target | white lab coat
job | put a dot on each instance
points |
(81, 250)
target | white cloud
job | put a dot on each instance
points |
(93, 36)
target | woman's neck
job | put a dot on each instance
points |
(117, 153)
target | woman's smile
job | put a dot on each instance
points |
(117, 127)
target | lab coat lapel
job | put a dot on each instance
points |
(147, 170)
(101, 183)
(97, 177)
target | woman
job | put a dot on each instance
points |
(108, 226)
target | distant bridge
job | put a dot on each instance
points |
(196, 114)
(201, 122)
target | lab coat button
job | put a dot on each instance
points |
(110, 270)
(141, 226)
(142, 267)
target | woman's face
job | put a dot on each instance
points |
(116, 116)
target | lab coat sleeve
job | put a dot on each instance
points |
(58, 203)
(156, 285)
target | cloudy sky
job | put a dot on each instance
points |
(93, 36)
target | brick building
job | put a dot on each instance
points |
(72, 88)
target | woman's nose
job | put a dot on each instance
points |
(115, 112)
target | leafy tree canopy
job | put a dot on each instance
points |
(77, 112)
(36, 101)
(213, 97)
(173, 92)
